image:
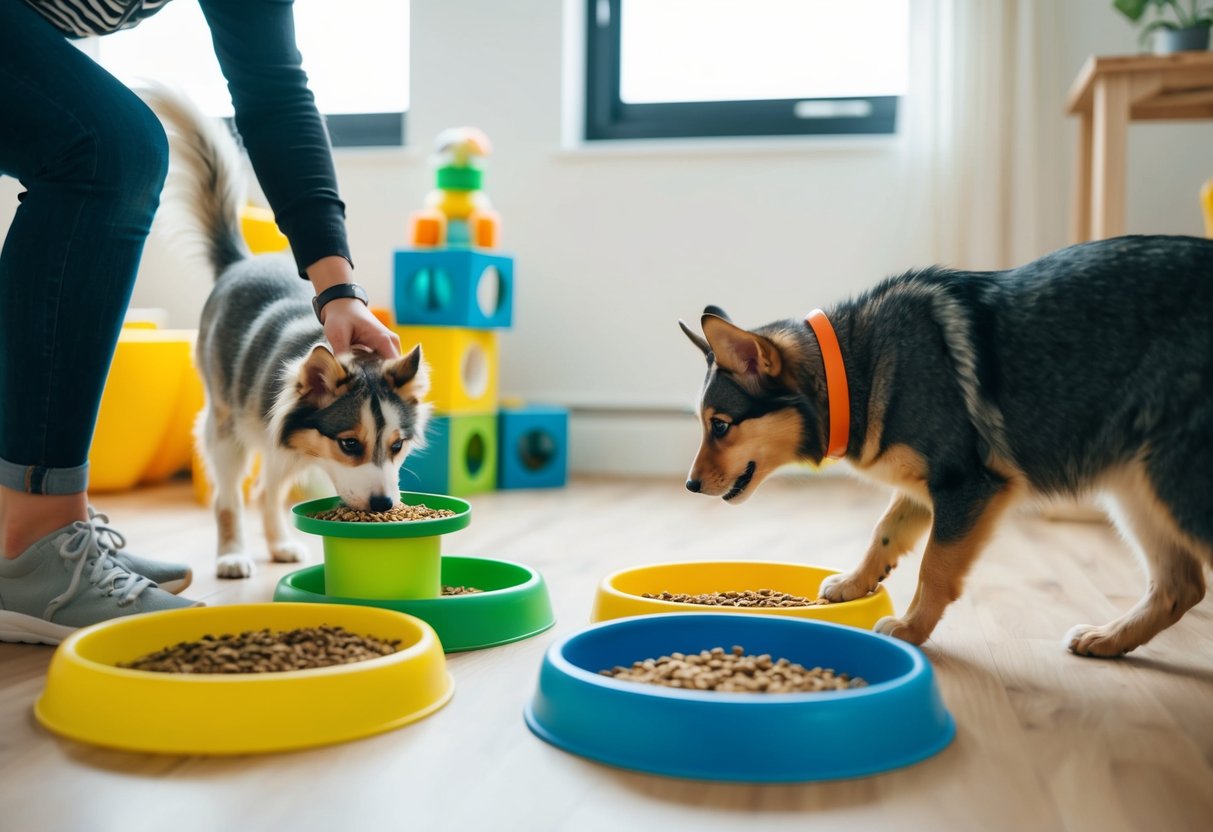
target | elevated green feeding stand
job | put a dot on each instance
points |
(399, 566)
(384, 561)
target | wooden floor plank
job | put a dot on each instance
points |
(1045, 740)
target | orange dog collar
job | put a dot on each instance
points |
(839, 398)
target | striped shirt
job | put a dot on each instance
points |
(86, 18)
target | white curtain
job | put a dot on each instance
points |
(985, 124)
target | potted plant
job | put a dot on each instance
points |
(1188, 31)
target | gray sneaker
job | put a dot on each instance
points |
(171, 577)
(70, 579)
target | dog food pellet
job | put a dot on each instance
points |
(395, 514)
(744, 598)
(265, 651)
(460, 590)
(733, 672)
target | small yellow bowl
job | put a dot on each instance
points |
(620, 594)
(90, 699)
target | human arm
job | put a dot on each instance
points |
(289, 148)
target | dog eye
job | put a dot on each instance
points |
(720, 427)
(397, 445)
(350, 447)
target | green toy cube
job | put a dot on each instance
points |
(460, 456)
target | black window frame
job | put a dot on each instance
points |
(608, 117)
(366, 129)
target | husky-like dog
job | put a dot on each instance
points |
(272, 385)
(1089, 370)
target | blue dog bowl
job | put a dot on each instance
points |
(897, 720)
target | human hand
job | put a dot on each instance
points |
(348, 324)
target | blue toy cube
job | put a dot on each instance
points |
(454, 287)
(534, 446)
(460, 456)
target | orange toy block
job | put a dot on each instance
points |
(486, 229)
(384, 316)
(427, 228)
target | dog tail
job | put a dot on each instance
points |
(206, 180)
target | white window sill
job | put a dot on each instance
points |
(729, 146)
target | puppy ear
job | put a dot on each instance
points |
(408, 375)
(697, 340)
(711, 309)
(739, 351)
(319, 376)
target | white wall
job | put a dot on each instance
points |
(614, 245)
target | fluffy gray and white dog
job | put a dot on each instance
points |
(273, 387)
(1088, 370)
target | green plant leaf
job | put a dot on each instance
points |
(1132, 9)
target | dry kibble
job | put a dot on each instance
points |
(265, 651)
(395, 514)
(745, 598)
(460, 590)
(733, 671)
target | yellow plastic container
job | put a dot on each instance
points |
(88, 698)
(620, 595)
(260, 231)
(150, 374)
(176, 451)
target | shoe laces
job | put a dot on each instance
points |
(92, 544)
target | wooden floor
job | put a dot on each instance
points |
(1046, 740)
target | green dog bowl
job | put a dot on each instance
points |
(513, 606)
(384, 561)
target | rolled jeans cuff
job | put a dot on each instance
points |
(38, 479)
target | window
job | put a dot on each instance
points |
(355, 54)
(666, 68)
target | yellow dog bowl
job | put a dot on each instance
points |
(90, 699)
(620, 594)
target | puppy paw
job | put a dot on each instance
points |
(234, 565)
(288, 551)
(1096, 642)
(838, 588)
(895, 627)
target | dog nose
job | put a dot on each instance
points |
(380, 503)
(693, 485)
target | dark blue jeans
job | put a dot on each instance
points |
(92, 159)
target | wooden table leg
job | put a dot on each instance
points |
(1110, 134)
(1080, 217)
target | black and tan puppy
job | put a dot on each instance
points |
(1087, 371)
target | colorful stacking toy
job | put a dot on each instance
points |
(452, 291)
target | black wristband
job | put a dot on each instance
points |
(341, 290)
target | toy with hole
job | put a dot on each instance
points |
(896, 719)
(622, 594)
(460, 456)
(399, 566)
(256, 712)
(454, 287)
(463, 366)
(533, 446)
